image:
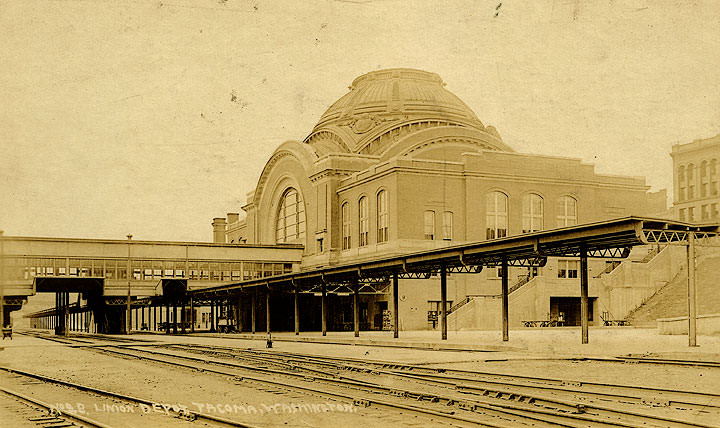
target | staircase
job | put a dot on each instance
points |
(671, 300)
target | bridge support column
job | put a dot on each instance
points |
(396, 316)
(692, 308)
(175, 318)
(238, 313)
(443, 302)
(267, 311)
(212, 316)
(584, 295)
(505, 305)
(253, 308)
(356, 307)
(183, 319)
(192, 316)
(167, 318)
(142, 317)
(323, 309)
(297, 310)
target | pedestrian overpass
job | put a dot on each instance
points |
(111, 274)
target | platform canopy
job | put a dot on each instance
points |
(606, 239)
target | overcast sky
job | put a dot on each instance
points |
(152, 117)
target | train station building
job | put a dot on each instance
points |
(399, 165)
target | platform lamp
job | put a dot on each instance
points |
(128, 315)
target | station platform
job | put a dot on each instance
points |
(556, 342)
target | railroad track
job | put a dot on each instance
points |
(452, 395)
(171, 416)
(19, 410)
(662, 407)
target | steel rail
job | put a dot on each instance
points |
(539, 400)
(181, 414)
(688, 397)
(361, 401)
(522, 409)
(52, 411)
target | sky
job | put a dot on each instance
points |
(153, 117)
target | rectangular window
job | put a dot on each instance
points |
(429, 228)
(703, 190)
(705, 212)
(681, 194)
(568, 268)
(448, 225)
(345, 212)
(714, 211)
(691, 214)
(691, 192)
(714, 188)
(681, 214)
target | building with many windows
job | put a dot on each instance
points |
(400, 164)
(695, 179)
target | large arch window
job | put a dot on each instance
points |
(290, 224)
(382, 216)
(532, 213)
(345, 213)
(363, 216)
(566, 210)
(496, 209)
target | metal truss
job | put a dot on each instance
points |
(598, 253)
(374, 288)
(679, 237)
(465, 269)
(538, 261)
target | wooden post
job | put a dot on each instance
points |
(253, 303)
(238, 313)
(356, 308)
(692, 303)
(297, 310)
(212, 316)
(267, 310)
(443, 302)
(505, 304)
(192, 316)
(584, 295)
(323, 310)
(396, 316)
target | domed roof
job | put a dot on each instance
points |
(399, 91)
(383, 106)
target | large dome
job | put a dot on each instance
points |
(383, 100)
(399, 91)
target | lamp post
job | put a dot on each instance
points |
(128, 314)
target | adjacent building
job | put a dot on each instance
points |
(695, 180)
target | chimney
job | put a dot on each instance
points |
(233, 218)
(219, 224)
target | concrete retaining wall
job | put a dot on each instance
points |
(706, 324)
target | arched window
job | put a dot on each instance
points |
(690, 172)
(382, 216)
(681, 173)
(703, 169)
(496, 218)
(345, 213)
(532, 213)
(363, 215)
(566, 210)
(290, 225)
